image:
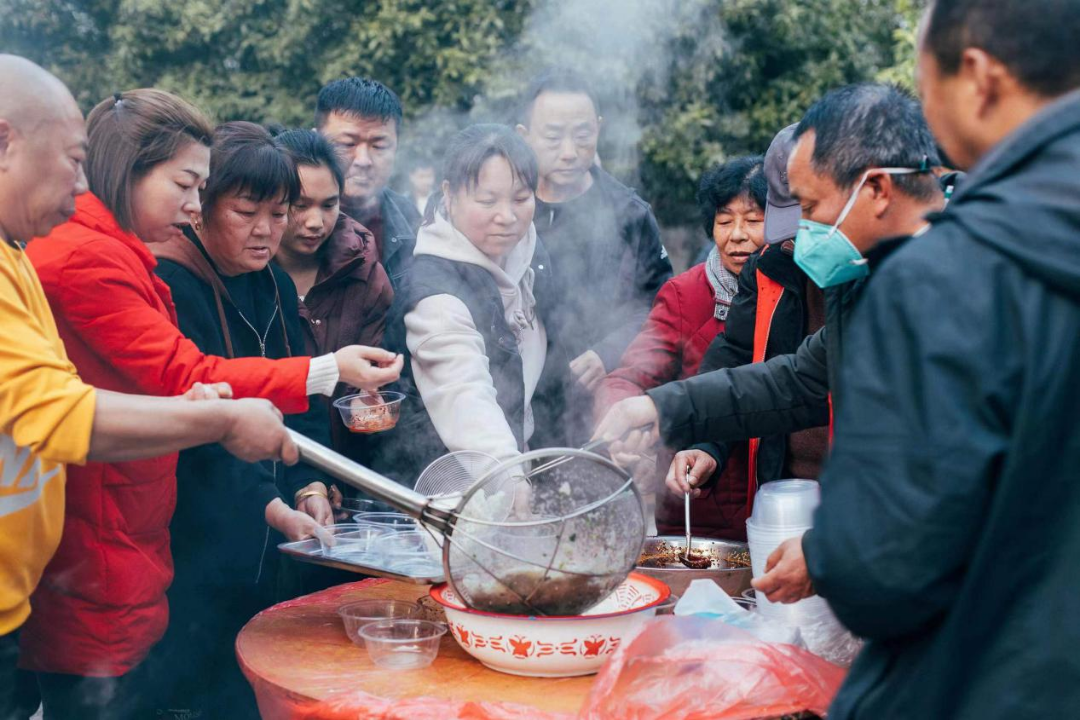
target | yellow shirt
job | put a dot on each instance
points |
(46, 417)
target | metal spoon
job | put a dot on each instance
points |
(686, 512)
(697, 562)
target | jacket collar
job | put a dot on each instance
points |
(1060, 117)
(777, 262)
(91, 213)
(398, 232)
(188, 253)
(349, 253)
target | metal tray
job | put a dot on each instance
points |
(732, 578)
(310, 551)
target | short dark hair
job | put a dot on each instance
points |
(723, 183)
(311, 149)
(129, 135)
(467, 152)
(1037, 40)
(245, 161)
(869, 125)
(556, 80)
(359, 97)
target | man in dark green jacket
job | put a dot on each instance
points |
(949, 529)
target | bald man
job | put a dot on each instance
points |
(48, 416)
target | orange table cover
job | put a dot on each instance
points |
(302, 666)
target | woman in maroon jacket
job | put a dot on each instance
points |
(689, 312)
(344, 290)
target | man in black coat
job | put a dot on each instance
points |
(362, 118)
(861, 162)
(949, 529)
(603, 239)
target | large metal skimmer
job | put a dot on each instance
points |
(530, 537)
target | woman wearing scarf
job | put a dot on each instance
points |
(691, 309)
(484, 370)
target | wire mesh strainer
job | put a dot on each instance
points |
(454, 473)
(573, 532)
(554, 542)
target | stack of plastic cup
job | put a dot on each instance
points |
(783, 510)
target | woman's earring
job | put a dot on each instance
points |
(196, 222)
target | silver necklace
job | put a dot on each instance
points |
(262, 338)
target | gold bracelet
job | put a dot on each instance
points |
(302, 496)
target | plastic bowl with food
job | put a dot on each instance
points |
(402, 644)
(357, 614)
(553, 646)
(370, 412)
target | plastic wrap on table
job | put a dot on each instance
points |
(693, 668)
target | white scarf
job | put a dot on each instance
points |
(724, 283)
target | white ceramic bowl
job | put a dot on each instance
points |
(553, 646)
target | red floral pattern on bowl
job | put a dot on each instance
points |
(553, 647)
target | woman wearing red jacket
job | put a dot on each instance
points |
(101, 603)
(688, 313)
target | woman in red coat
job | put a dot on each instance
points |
(688, 313)
(101, 604)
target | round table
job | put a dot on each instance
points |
(301, 664)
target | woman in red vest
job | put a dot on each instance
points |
(101, 604)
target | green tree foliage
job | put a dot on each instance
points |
(684, 83)
(905, 39)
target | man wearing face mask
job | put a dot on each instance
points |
(860, 172)
(949, 528)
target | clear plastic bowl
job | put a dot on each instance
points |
(421, 567)
(363, 505)
(390, 520)
(785, 504)
(370, 412)
(355, 542)
(357, 614)
(403, 543)
(402, 644)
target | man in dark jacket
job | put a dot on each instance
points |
(949, 528)
(362, 118)
(861, 163)
(603, 239)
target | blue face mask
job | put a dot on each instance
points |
(825, 253)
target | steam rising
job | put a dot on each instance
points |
(626, 49)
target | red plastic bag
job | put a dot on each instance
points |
(692, 668)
